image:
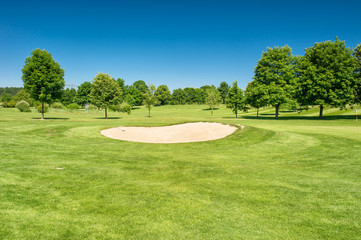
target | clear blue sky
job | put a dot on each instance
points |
(177, 43)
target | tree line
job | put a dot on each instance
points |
(328, 74)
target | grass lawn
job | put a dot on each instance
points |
(293, 178)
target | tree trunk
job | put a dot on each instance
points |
(321, 112)
(212, 113)
(148, 112)
(106, 113)
(236, 113)
(277, 107)
(42, 110)
(257, 111)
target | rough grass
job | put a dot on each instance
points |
(292, 178)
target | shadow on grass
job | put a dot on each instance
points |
(108, 118)
(208, 109)
(334, 117)
(52, 118)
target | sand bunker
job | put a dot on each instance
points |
(188, 132)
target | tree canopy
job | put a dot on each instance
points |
(223, 89)
(105, 91)
(235, 100)
(43, 77)
(163, 94)
(327, 75)
(213, 98)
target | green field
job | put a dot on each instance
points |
(293, 178)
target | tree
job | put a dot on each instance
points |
(179, 96)
(149, 98)
(23, 95)
(141, 86)
(82, 94)
(223, 89)
(163, 94)
(276, 73)
(357, 55)
(43, 77)
(133, 96)
(327, 75)
(190, 95)
(105, 92)
(68, 96)
(213, 97)
(256, 96)
(235, 99)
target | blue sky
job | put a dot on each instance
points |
(177, 43)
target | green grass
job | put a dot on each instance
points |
(292, 178)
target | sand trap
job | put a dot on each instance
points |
(188, 132)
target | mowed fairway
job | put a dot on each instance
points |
(292, 178)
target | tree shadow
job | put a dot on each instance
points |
(327, 118)
(108, 118)
(49, 118)
(208, 109)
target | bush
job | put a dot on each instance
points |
(11, 104)
(91, 107)
(36, 103)
(23, 106)
(1, 105)
(125, 107)
(115, 108)
(57, 105)
(73, 106)
(46, 107)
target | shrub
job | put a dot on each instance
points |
(23, 106)
(36, 103)
(73, 106)
(91, 107)
(11, 104)
(46, 107)
(57, 105)
(125, 107)
(1, 105)
(115, 108)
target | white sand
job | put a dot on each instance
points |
(188, 132)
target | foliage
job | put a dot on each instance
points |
(23, 95)
(57, 105)
(82, 93)
(178, 96)
(73, 106)
(149, 98)
(43, 78)
(6, 97)
(133, 96)
(141, 86)
(276, 73)
(327, 75)
(11, 90)
(1, 105)
(224, 89)
(91, 107)
(105, 92)
(23, 106)
(357, 54)
(235, 100)
(163, 94)
(213, 98)
(256, 95)
(125, 107)
(68, 96)
(43, 110)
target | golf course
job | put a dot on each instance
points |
(295, 177)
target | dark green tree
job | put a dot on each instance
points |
(141, 86)
(82, 93)
(105, 92)
(223, 89)
(327, 75)
(276, 72)
(23, 95)
(133, 96)
(163, 94)
(43, 77)
(191, 95)
(357, 55)
(179, 96)
(256, 96)
(235, 100)
(68, 96)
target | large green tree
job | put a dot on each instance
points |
(163, 94)
(149, 98)
(276, 73)
(235, 100)
(223, 89)
(213, 98)
(141, 86)
(327, 75)
(105, 91)
(43, 77)
(179, 96)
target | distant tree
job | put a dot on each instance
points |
(357, 54)
(6, 97)
(163, 94)
(43, 78)
(133, 96)
(23, 95)
(82, 93)
(179, 96)
(191, 95)
(11, 90)
(327, 75)
(68, 96)
(105, 92)
(276, 72)
(149, 98)
(235, 100)
(223, 89)
(141, 86)
(121, 83)
(200, 95)
(213, 98)
(256, 96)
